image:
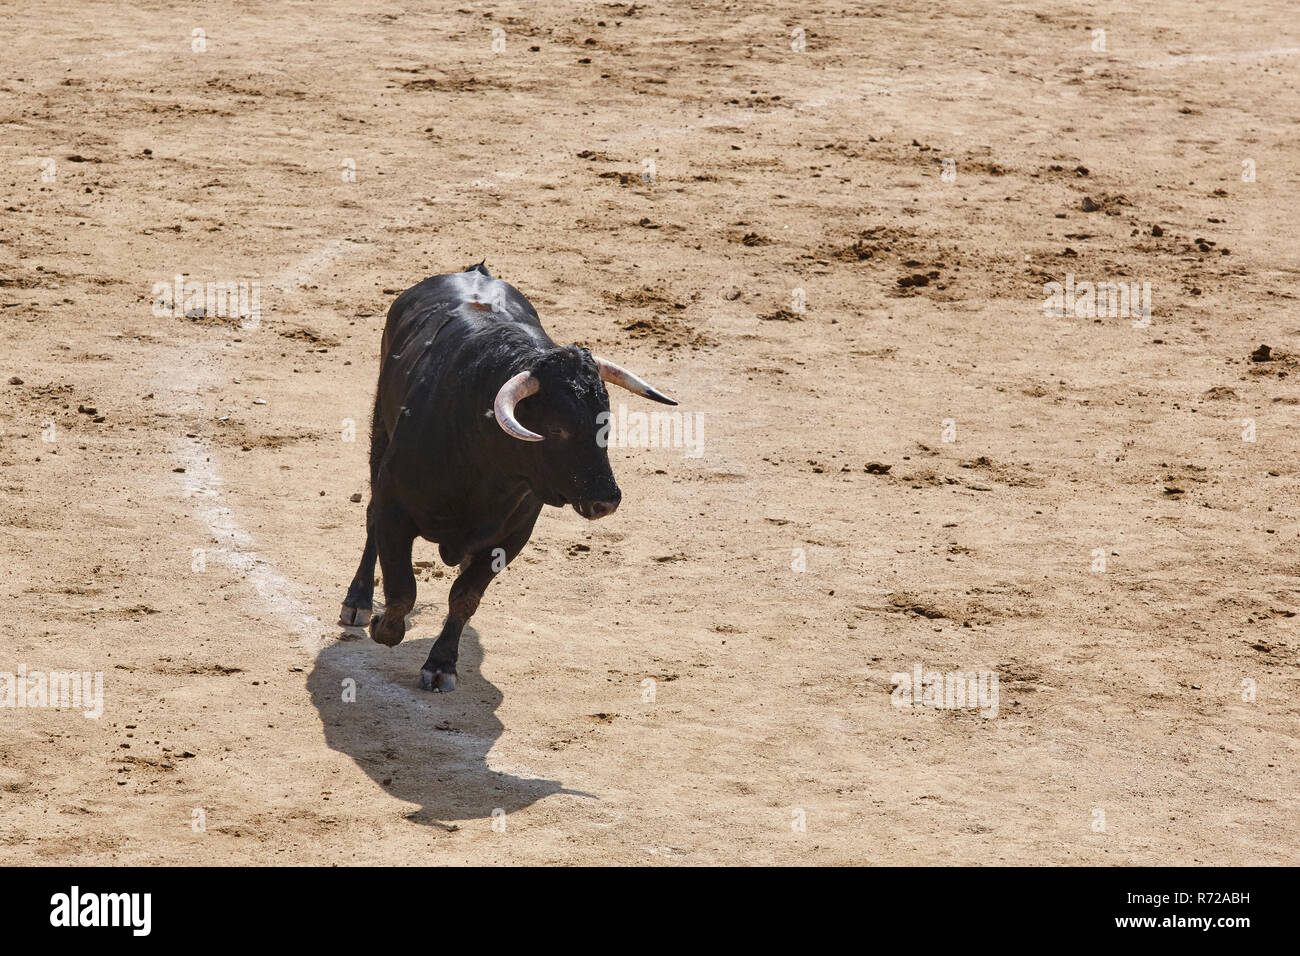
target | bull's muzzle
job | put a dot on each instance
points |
(591, 510)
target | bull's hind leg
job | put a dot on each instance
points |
(439, 671)
(361, 593)
(394, 534)
(359, 602)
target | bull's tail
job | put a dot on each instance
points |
(378, 444)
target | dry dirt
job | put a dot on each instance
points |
(206, 596)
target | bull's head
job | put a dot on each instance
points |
(566, 397)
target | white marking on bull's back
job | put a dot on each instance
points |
(485, 292)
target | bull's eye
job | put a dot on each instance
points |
(557, 432)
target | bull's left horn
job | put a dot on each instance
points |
(513, 392)
(617, 375)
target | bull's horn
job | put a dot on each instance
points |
(513, 392)
(617, 375)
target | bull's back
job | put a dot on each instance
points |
(438, 333)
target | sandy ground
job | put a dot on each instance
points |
(192, 536)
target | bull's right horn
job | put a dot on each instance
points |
(513, 392)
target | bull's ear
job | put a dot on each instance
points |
(617, 375)
(512, 392)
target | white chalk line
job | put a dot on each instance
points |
(180, 379)
(202, 483)
(297, 275)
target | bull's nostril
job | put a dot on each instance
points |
(601, 508)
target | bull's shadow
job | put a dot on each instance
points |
(424, 748)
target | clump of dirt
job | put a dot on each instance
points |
(878, 242)
(782, 315)
(915, 606)
(1266, 361)
(926, 476)
(924, 259)
(917, 279)
(1110, 205)
(644, 297)
(668, 333)
(305, 334)
(666, 327)
(1017, 476)
(624, 179)
(199, 316)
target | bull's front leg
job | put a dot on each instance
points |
(439, 671)
(394, 534)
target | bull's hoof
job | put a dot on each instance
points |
(388, 630)
(439, 682)
(354, 616)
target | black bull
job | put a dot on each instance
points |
(480, 419)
